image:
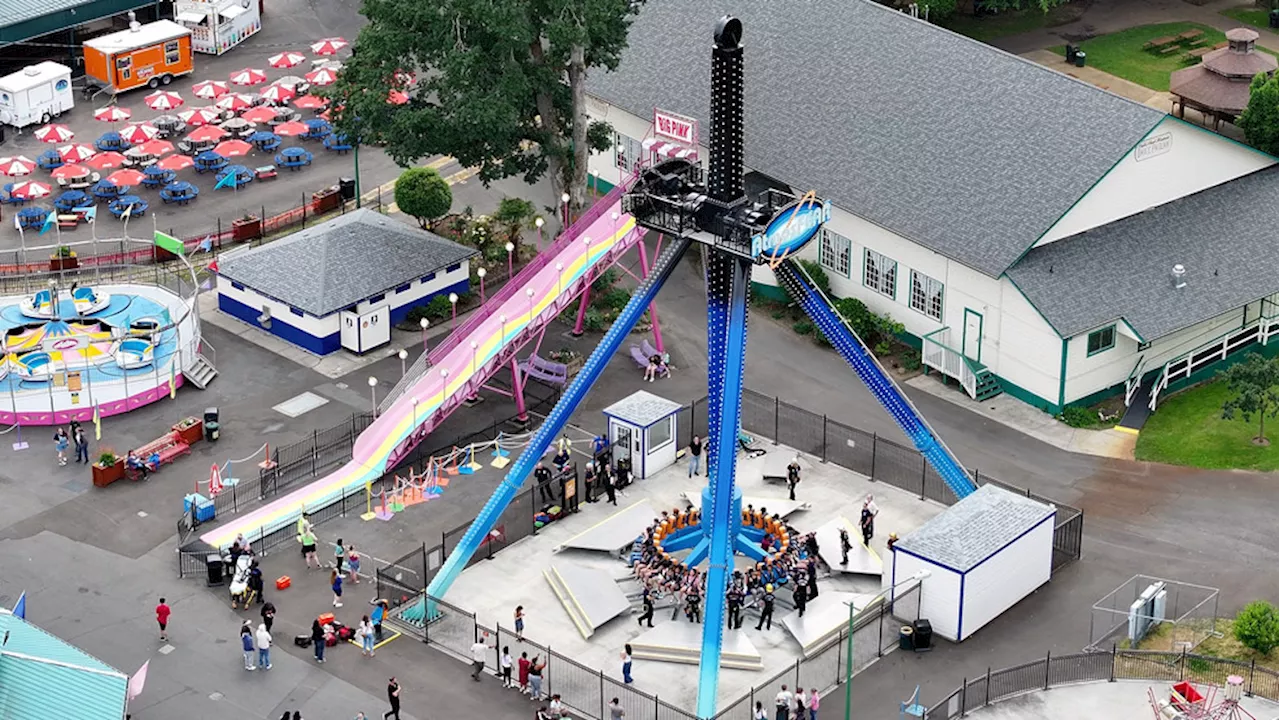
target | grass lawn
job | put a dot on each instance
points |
(1121, 53)
(1250, 15)
(1227, 647)
(1188, 429)
(989, 27)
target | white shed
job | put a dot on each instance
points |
(642, 427)
(984, 554)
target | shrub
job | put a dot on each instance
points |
(593, 320)
(1256, 627)
(882, 348)
(818, 275)
(803, 327)
(614, 299)
(422, 194)
(819, 339)
(911, 360)
(604, 282)
(863, 322)
(1079, 417)
(438, 308)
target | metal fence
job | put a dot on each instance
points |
(1053, 671)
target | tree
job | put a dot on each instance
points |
(1253, 388)
(1260, 120)
(500, 84)
(1257, 627)
(513, 215)
(421, 193)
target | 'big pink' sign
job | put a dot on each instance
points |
(675, 127)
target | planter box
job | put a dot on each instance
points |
(57, 262)
(104, 476)
(161, 255)
(192, 433)
(574, 366)
(246, 228)
(325, 200)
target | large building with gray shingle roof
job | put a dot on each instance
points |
(341, 283)
(954, 169)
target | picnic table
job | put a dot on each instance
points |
(294, 158)
(157, 177)
(1191, 34)
(111, 141)
(79, 183)
(243, 175)
(32, 217)
(265, 172)
(210, 161)
(181, 192)
(169, 126)
(1198, 52)
(317, 129)
(124, 202)
(337, 143)
(71, 199)
(8, 195)
(264, 140)
(107, 190)
(50, 160)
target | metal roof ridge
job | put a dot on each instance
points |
(60, 663)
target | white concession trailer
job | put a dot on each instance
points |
(35, 94)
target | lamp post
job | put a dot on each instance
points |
(528, 292)
(502, 339)
(480, 274)
(564, 200)
(538, 223)
(586, 254)
(595, 184)
(444, 386)
(425, 323)
(559, 277)
(403, 355)
(373, 393)
(853, 611)
(511, 247)
(453, 305)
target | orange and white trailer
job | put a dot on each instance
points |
(148, 55)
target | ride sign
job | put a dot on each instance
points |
(791, 229)
(675, 127)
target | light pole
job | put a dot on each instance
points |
(502, 339)
(480, 274)
(564, 200)
(853, 611)
(404, 355)
(453, 305)
(425, 323)
(444, 386)
(586, 255)
(595, 184)
(510, 249)
(614, 217)
(538, 223)
(528, 292)
(559, 277)
(373, 394)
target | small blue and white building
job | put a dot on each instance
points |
(983, 555)
(643, 428)
(342, 283)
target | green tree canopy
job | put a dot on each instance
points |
(500, 84)
(422, 194)
(1260, 120)
(1256, 626)
(1253, 387)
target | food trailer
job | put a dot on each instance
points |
(148, 55)
(218, 25)
(35, 94)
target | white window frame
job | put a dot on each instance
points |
(835, 253)
(884, 281)
(627, 152)
(922, 301)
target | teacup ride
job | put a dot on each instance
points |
(35, 366)
(39, 305)
(88, 301)
(133, 352)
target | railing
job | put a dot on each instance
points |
(939, 355)
(1183, 366)
(1111, 666)
(1134, 381)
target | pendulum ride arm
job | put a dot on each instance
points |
(728, 280)
(855, 353)
(555, 422)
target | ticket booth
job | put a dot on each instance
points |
(643, 429)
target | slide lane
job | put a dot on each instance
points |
(465, 368)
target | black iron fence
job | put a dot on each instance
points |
(1053, 671)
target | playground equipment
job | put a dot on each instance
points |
(1187, 702)
(672, 198)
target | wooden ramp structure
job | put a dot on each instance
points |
(679, 641)
(591, 597)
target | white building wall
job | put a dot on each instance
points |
(418, 289)
(317, 327)
(939, 593)
(1011, 574)
(1029, 351)
(1195, 159)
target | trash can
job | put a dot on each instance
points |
(922, 635)
(1079, 58)
(1273, 20)
(904, 638)
(1071, 52)
(213, 564)
(347, 187)
(211, 424)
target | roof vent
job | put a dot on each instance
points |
(1179, 276)
(134, 25)
(31, 71)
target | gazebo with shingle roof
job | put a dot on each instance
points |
(1219, 85)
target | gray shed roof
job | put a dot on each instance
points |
(1225, 237)
(642, 408)
(956, 145)
(13, 12)
(338, 263)
(975, 528)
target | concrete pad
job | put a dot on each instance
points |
(300, 404)
(590, 596)
(615, 532)
(862, 559)
(681, 642)
(823, 619)
(1122, 700)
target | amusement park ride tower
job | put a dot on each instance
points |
(673, 198)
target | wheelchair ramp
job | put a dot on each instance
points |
(616, 533)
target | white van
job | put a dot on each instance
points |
(35, 94)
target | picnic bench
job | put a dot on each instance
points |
(553, 373)
(162, 451)
(641, 357)
(1197, 53)
(1160, 43)
(68, 222)
(1192, 34)
(265, 172)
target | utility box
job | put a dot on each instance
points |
(148, 55)
(35, 95)
(643, 430)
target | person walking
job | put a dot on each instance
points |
(246, 644)
(845, 547)
(695, 456)
(365, 635)
(268, 614)
(782, 704)
(339, 555)
(317, 640)
(610, 488)
(519, 616)
(793, 476)
(162, 618)
(479, 649)
(263, 639)
(393, 697)
(308, 539)
(379, 612)
(353, 564)
(335, 582)
(766, 610)
(536, 667)
(867, 520)
(82, 446)
(505, 664)
(813, 578)
(626, 664)
(799, 596)
(647, 615)
(734, 599)
(813, 703)
(60, 444)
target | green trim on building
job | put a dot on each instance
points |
(1062, 375)
(44, 21)
(769, 292)
(600, 186)
(1029, 397)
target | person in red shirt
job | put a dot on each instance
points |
(523, 670)
(162, 617)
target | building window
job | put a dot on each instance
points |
(926, 295)
(171, 54)
(659, 434)
(403, 288)
(236, 285)
(1101, 340)
(296, 311)
(628, 152)
(376, 298)
(879, 273)
(834, 252)
(454, 267)
(428, 278)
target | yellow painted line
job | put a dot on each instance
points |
(454, 179)
(395, 634)
(593, 527)
(1131, 431)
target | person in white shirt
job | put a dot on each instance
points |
(505, 664)
(555, 708)
(478, 652)
(782, 704)
(801, 697)
(263, 639)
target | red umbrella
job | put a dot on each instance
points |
(195, 117)
(67, 172)
(106, 161)
(277, 94)
(156, 148)
(29, 190)
(163, 100)
(329, 46)
(322, 77)
(112, 114)
(286, 59)
(77, 152)
(176, 162)
(248, 76)
(54, 134)
(310, 102)
(210, 89)
(233, 148)
(138, 133)
(128, 176)
(235, 102)
(293, 127)
(397, 97)
(260, 114)
(19, 165)
(206, 133)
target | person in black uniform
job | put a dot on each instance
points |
(800, 596)
(589, 479)
(647, 616)
(542, 476)
(793, 476)
(693, 607)
(845, 546)
(766, 609)
(813, 577)
(734, 599)
(607, 481)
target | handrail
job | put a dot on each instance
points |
(1134, 381)
(1260, 327)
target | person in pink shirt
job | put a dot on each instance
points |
(813, 703)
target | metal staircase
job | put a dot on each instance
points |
(988, 384)
(201, 371)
